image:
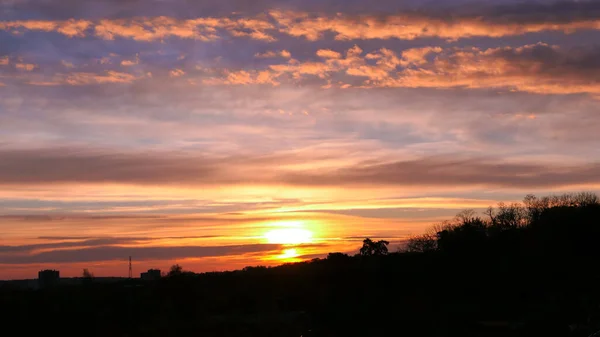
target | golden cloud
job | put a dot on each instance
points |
(410, 27)
(70, 28)
(328, 54)
(312, 26)
(104, 78)
(539, 68)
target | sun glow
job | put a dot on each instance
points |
(286, 236)
(289, 254)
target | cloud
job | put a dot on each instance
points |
(539, 68)
(91, 78)
(328, 54)
(67, 64)
(455, 23)
(61, 166)
(76, 78)
(115, 253)
(269, 54)
(352, 64)
(244, 77)
(149, 28)
(454, 172)
(70, 28)
(176, 73)
(417, 56)
(127, 63)
(25, 66)
(26, 167)
(69, 244)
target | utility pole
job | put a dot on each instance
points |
(130, 269)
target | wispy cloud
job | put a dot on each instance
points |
(111, 253)
(49, 166)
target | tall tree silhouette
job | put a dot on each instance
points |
(175, 270)
(87, 274)
(371, 248)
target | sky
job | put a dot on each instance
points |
(233, 133)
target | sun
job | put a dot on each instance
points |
(289, 236)
(289, 254)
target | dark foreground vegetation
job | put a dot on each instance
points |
(529, 269)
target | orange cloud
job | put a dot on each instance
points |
(417, 56)
(538, 68)
(243, 77)
(328, 54)
(312, 26)
(4, 61)
(25, 66)
(70, 28)
(176, 73)
(127, 63)
(44, 83)
(353, 63)
(92, 78)
(411, 26)
(150, 29)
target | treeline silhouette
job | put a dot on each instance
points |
(523, 269)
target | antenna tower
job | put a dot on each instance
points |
(130, 269)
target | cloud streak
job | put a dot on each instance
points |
(59, 167)
(113, 253)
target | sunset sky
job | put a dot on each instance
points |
(222, 134)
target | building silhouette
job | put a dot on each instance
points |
(150, 275)
(48, 278)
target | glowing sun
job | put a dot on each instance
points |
(289, 254)
(289, 236)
